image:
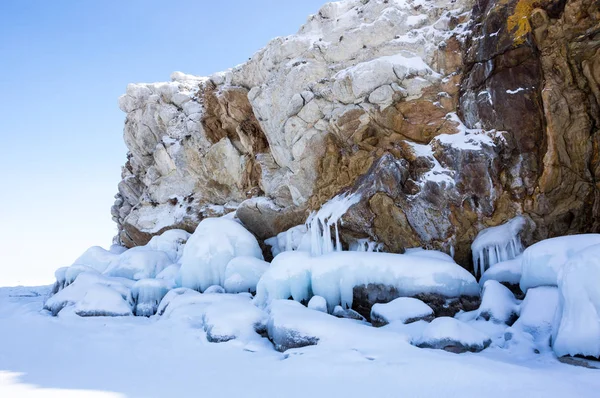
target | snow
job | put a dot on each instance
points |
(170, 242)
(243, 273)
(147, 294)
(420, 252)
(288, 240)
(496, 244)
(402, 309)
(234, 319)
(210, 248)
(445, 332)
(138, 263)
(317, 303)
(133, 356)
(505, 271)
(334, 275)
(536, 318)
(100, 300)
(320, 224)
(75, 292)
(97, 258)
(543, 260)
(577, 321)
(498, 304)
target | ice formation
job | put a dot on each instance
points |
(101, 300)
(97, 258)
(171, 242)
(402, 309)
(543, 260)
(577, 321)
(498, 304)
(138, 263)
(504, 272)
(288, 240)
(210, 248)
(85, 281)
(496, 244)
(147, 294)
(333, 276)
(321, 223)
(453, 335)
(317, 303)
(243, 273)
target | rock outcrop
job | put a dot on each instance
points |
(445, 117)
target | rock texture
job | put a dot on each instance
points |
(446, 117)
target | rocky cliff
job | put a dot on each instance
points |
(445, 116)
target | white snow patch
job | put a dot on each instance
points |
(402, 309)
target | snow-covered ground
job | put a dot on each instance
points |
(72, 356)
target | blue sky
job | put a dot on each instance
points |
(63, 64)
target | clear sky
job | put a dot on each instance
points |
(63, 64)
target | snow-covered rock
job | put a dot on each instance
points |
(97, 258)
(543, 260)
(234, 319)
(171, 242)
(101, 300)
(138, 263)
(334, 276)
(402, 309)
(147, 295)
(317, 303)
(85, 282)
(577, 321)
(508, 272)
(498, 304)
(347, 313)
(171, 296)
(211, 247)
(537, 313)
(214, 289)
(452, 335)
(497, 244)
(243, 273)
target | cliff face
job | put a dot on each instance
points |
(446, 117)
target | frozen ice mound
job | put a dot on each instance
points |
(333, 276)
(504, 272)
(435, 254)
(288, 240)
(496, 244)
(577, 321)
(243, 273)
(101, 300)
(210, 248)
(85, 281)
(291, 325)
(234, 319)
(498, 304)
(537, 312)
(138, 263)
(402, 309)
(452, 335)
(171, 242)
(97, 258)
(171, 295)
(170, 274)
(147, 295)
(347, 313)
(543, 260)
(317, 303)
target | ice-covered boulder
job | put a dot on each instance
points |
(402, 309)
(85, 281)
(214, 289)
(543, 260)
(101, 300)
(60, 275)
(452, 335)
(138, 263)
(171, 296)
(72, 272)
(171, 242)
(498, 304)
(234, 319)
(505, 272)
(436, 254)
(317, 303)
(211, 247)
(577, 321)
(537, 312)
(170, 274)
(336, 275)
(97, 258)
(147, 295)
(243, 273)
(497, 244)
(348, 313)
